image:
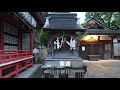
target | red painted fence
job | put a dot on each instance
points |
(10, 58)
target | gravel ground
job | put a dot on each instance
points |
(95, 69)
(103, 69)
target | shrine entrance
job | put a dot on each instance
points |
(91, 49)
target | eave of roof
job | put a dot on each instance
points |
(65, 29)
(102, 32)
(38, 17)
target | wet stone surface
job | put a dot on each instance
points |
(37, 73)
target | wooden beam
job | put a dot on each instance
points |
(1, 35)
(25, 23)
(37, 17)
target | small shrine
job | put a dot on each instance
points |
(63, 47)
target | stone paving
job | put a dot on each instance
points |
(95, 69)
(103, 69)
(29, 72)
(37, 73)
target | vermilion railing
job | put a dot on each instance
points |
(7, 56)
(11, 55)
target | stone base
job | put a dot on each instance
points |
(77, 68)
(72, 72)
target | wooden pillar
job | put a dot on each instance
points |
(31, 40)
(19, 40)
(1, 35)
(101, 49)
(92, 49)
(112, 49)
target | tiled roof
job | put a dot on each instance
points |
(62, 21)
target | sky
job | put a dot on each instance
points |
(81, 15)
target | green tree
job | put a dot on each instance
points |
(44, 37)
(83, 24)
(111, 19)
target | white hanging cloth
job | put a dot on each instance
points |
(58, 43)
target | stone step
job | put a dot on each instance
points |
(63, 59)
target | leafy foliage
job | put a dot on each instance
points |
(44, 37)
(84, 24)
(111, 19)
(79, 36)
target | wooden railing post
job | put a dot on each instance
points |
(0, 72)
(16, 69)
(26, 53)
(26, 64)
(0, 59)
(8, 57)
(32, 62)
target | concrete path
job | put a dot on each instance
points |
(103, 69)
(29, 72)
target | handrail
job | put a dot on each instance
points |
(11, 55)
(16, 57)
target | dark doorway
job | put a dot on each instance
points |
(91, 49)
(63, 75)
(25, 41)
